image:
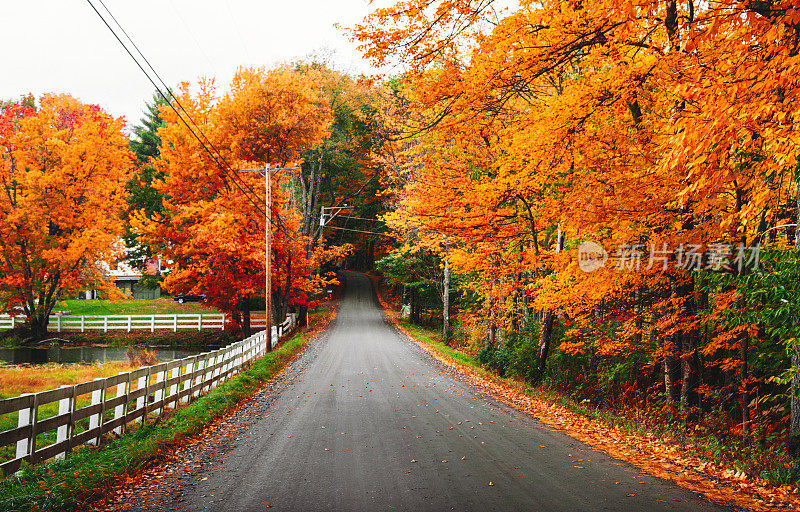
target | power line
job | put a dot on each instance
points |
(238, 31)
(223, 166)
(360, 231)
(356, 218)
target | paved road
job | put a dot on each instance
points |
(367, 421)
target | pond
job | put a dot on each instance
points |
(38, 355)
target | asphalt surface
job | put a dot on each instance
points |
(365, 420)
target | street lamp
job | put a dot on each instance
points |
(268, 244)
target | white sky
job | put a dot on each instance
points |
(62, 45)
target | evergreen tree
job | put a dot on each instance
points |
(146, 145)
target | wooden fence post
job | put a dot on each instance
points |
(119, 411)
(147, 393)
(174, 388)
(27, 418)
(188, 383)
(129, 323)
(226, 363)
(142, 383)
(159, 394)
(199, 379)
(218, 370)
(175, 323)
(64, 432)
(95, 420)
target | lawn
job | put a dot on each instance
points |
(163, 306)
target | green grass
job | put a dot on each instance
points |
(84, 476)
(9, 421)
(163, 306)
(435, 340)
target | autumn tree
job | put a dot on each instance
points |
(347, 165)
(146, 145)
(660, 130)
(214, 219)
(65, 165)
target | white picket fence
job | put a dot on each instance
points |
(129, 323)
(119, 400)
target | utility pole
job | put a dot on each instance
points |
(794, 402)
(268, 242)
(268, 255)
(446, 298)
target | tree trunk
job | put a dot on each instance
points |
(745, 394)
(287, 292)
(546, 332)
(687, 340)
(669, 385)
(544, 343)
(243, 313)
(415, 316)
(38, 325)
(246, 329)
(687, 354)
(302, 315)
(668, 366)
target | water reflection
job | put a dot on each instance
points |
(20, 355)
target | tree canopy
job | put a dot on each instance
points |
(661, 131)
(64, 169)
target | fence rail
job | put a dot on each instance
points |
(129, 323)
(113, 403)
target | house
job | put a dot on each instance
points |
(127, 279)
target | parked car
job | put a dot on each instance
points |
(189, 297)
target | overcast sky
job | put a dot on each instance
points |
(63, 46)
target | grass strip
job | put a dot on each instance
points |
(434, 340)
(73, 483)
(165, 306)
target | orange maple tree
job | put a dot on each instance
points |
(660, 130)
(64, 169)
(213, 228)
